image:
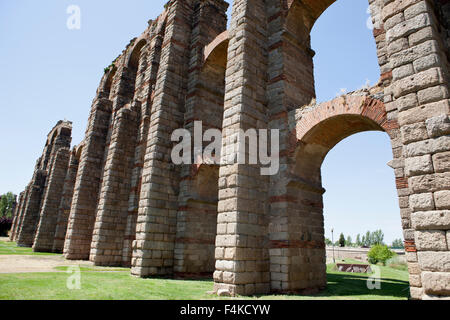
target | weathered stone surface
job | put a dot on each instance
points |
(430, 182)
(421, 36)
(434, 94)
(438, 126)
(223, 293)
(437, 220)
(416, 293)
(392, 7)
(436, 283)
(448, 239)
(418, 165)
(411, 256)
(434, 261)
(429, 146)
(424, 63)
(421, 201)
(419, 81)
(415, 280)
(406, 102)
(441, 161)
(442, 199)
(402, 71)
(431, 240)
(413, 53)
(424, 112)
(408, 27)
(414, 132)
(416, 9)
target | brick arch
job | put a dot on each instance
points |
(107, 81)
(132, 58)
(77, 151)
(299, 201)
(315, 8)
(321, 127)
(371, 111)
(217, 49)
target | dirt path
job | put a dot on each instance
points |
(23, 264)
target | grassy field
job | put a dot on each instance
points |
(11, 248)
(110, 284)
(117, 284)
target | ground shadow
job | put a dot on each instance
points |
(349, 284)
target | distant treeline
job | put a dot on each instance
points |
(368, 240)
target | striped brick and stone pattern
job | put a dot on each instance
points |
(117, 199)
(36, 213)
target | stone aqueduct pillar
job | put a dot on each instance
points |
(16, 218)
(41, 197)
(123, 201)
(273, 80)
(66, 200)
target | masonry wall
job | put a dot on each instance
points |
(38, 209)
(400, 28)
(18, 223)
(153, 249)
(87, 186)
(242, 257)
(66, 201)
(16, 218)
(419, 97)
(30, 220)
(45, 232)
(132, 206)
(198, 190)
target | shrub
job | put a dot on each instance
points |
(380, 253)
(397, 262)
(5, 226)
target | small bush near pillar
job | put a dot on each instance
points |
(380, 253)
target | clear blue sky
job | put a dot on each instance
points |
(51, 73)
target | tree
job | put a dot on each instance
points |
(328, 242)
(358, 240)
(348, 242)
(377, 237)
(6, 204)
(368, 242)
(397, 244)
(342, 240)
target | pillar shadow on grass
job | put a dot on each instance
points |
(353, 285)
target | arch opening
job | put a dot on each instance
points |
(318, 142)
(350, 65)
(361, 196)
(319, 128)
(318, 131)
(133, 75)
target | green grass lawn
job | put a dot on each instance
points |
(11, 248)
(93, 268)
(98, 286)
(120, 285)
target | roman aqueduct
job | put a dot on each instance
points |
(118, 200)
